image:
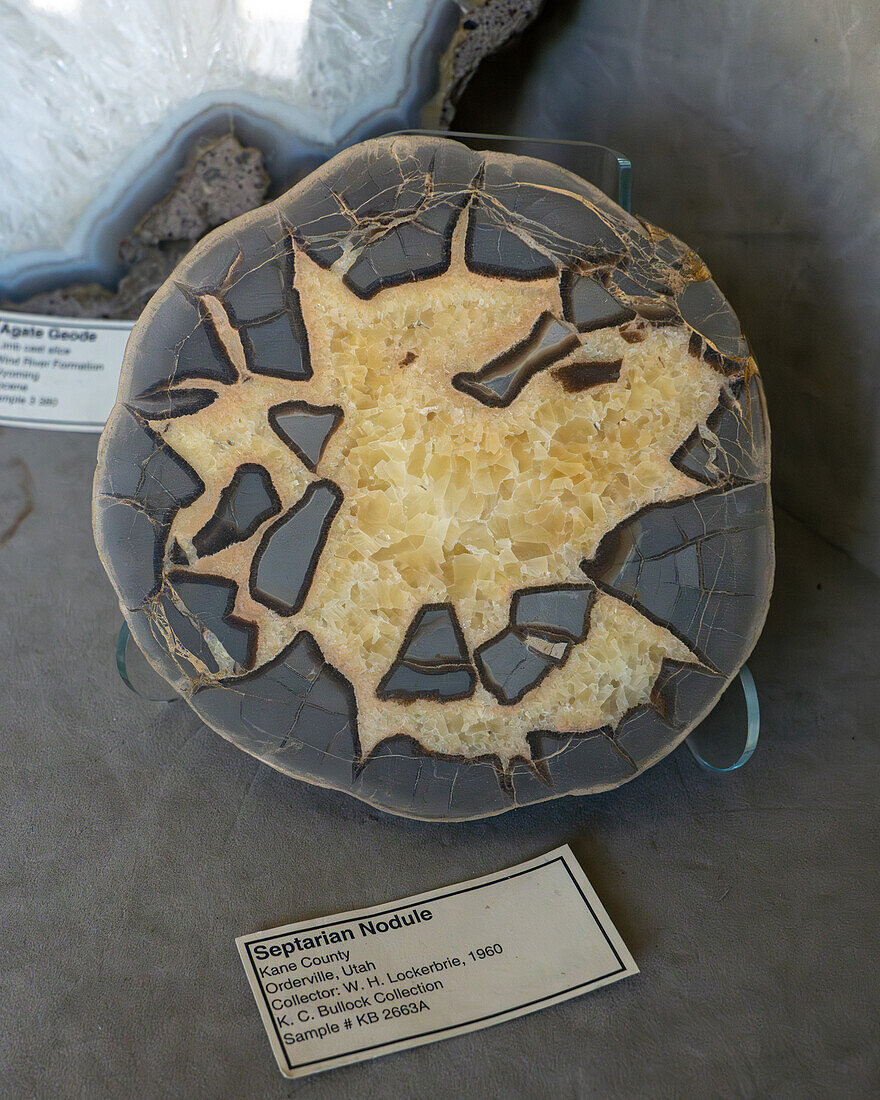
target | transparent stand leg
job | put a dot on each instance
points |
(727, 737)
(137, 673)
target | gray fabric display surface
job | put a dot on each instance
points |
(137, 844)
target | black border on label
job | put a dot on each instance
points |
(450, 1027)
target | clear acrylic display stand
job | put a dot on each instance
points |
(726, 738)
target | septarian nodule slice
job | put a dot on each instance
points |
(443, 481)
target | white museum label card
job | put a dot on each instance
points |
(358, 985)
(58, 372)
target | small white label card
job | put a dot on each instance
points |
(361, 984)
(58, 372)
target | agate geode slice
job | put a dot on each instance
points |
(442, 481)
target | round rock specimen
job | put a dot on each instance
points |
(442, 481)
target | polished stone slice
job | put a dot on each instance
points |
(185, 641)
(207, 270)
(180, 347)
(397, 220)
(246, 502)
(408, 250)
(305, 428)
(682, 693)
(637, 281)
(644, 735)
(557, 651)
(493, 249)
(175, 554)
(285, 561)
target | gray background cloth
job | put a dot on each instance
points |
(136, 844)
